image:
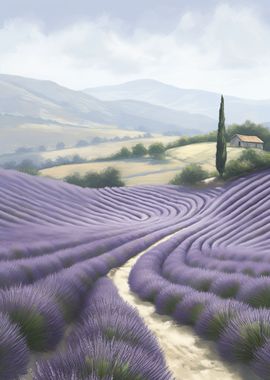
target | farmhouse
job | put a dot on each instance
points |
(246, 141)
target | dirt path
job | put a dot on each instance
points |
(187, 356)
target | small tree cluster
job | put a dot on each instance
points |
(25, 166)
(190, 175)
(139, 150)
(156, 150)
(249, 161)
(109, 177)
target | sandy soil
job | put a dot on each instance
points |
(187, 356)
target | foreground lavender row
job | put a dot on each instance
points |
(214, 274)
(57, 240)
(109, 341)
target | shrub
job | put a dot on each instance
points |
(256, 293)
(189, 309)
(156, 150)
(190, 175)
(27, 166)
(227, 286)
(139, 150)
(38, 318)
(248, 161)
(235, 168)
(123, 153)
(74, 179)
(261, 363)
(244, 335)
(109, 177)
(14, 352)
(216, 317)
(167, 300)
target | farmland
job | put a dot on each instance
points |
(149, 171)
(90, 152)
(108, 148)
(199, 257)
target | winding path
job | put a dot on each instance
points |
(187, 356)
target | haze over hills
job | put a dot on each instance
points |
(47, 100)
(154, 118)
(201, 102)
(35, 112)
(45, 104)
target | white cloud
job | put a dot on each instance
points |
(226, 51)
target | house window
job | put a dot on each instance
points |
(239, 143)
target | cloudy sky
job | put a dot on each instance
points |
(212, 45)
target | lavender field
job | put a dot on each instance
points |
(206, 265)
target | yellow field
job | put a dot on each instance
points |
(203, 154)
(105, 149)
(31, 134)
(147, 171)
(134, 172)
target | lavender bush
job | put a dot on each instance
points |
(109, 341)
(57, 240)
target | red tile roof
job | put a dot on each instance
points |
(250, 139)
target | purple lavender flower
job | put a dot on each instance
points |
(217, 316)
(227, 286)
(246, 332)
(261, 362)
(38, 318)
(14, 355)
(112, 360)
(190, 308)
(169, 297)
(256, 292)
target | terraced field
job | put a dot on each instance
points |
(204, 262)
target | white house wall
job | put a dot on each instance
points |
(235, 142)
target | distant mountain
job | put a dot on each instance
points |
(187, 100)
(147, 117)
(27, 98)
(47, 100)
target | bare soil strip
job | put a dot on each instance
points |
(187, 356)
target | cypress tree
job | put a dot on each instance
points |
(221, 154)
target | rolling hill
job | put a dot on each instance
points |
(147, 171)
(187, 100)
(27, 102)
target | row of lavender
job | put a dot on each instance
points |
(41, 216)
(57, 240)
(109, 341)
(35, 250)
(214, 274)
(38, 314)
